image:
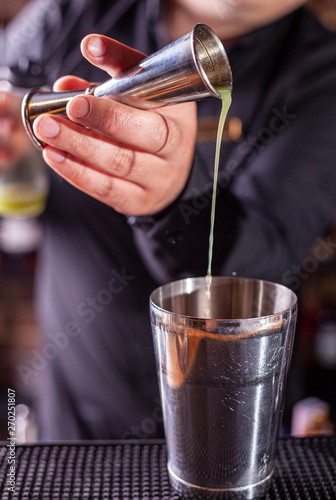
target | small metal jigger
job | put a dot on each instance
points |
(188, 69)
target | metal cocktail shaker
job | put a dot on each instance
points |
(223, 351)
(188, 69)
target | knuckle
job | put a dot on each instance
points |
(119, 202)
(110, 121)
(120, 162)
(77, 174)
(108, 193)
(168, 136)
(105, 187)
(81, 146)
(116, 120)
(159, 137)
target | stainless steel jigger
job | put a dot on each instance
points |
(188, 69)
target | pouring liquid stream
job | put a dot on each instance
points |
(226, 102)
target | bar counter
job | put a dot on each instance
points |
(305, 469)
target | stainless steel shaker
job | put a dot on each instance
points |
(223, 351)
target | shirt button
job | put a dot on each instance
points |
(174, 238)
(131, 220)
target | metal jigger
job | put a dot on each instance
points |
(189, 69)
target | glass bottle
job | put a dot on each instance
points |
(23, 178)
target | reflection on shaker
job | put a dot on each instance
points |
(181, 354)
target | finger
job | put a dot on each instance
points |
(146, 130)
(70, 82)
(124, 196)
(108, 54)
(85, 145)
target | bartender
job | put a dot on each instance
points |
(129, 205)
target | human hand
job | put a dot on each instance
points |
(14, 142)
(136, 161)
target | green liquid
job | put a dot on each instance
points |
(226, 102)
(21, 200)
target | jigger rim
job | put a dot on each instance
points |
(202, 73)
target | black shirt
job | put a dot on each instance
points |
(277, 195)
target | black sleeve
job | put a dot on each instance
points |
(280, 196)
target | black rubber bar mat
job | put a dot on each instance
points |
(305, 469)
